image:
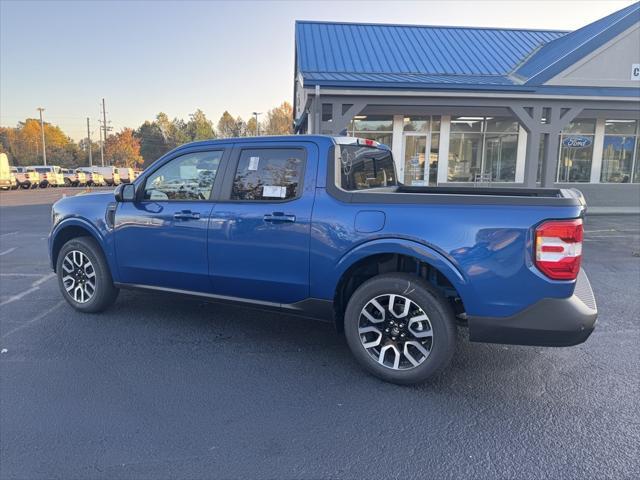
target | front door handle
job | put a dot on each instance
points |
(186, 215)
(279, 217)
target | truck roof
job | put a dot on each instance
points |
(329, 139)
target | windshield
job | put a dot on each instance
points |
(364, 167)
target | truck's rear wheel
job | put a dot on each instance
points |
(399, 328)
(84, 277)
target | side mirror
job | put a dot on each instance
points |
(125, 192)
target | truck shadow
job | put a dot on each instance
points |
(178, 321)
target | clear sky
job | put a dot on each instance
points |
(150, 56)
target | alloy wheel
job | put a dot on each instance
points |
(395, 331)
(79, 276)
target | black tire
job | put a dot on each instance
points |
(105, 292)
(424, 296)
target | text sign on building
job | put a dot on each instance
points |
(576, 142)
(635, 71)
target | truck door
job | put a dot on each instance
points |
(161, 238)
(259, 233)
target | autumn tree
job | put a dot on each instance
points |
(173, 131)
(24, 143)
(279, 120)
(252, 127)
(228, 126)
(123, 149)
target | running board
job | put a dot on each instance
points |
(314, 308)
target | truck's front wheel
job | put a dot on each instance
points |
(400, 328)
(84, 276)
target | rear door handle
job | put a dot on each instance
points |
(279, 217)
(186, 215)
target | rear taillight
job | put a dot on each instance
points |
(559, 248)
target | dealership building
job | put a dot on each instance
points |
(483, 106)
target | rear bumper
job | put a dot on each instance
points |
(551, 322)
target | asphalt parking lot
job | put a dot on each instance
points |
(165, 387)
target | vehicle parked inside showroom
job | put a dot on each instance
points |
(92, 178)
(320, 227)
(26, 177)
(50, 175)
(73, 178)
(109, 174)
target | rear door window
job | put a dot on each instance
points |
(269, 174)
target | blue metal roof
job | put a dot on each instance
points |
(405, 78)
(359, 55)
(375, 48)
(563, 52)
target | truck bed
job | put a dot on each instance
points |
(557, 197)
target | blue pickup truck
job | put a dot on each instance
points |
(321, 227)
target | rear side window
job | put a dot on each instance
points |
(269, 174)
(363, 167)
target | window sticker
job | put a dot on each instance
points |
(253, 163)
(188, 171)
(273, 191)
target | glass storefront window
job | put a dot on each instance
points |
(576, 151)
(466, 124)
(620, 127)
(619, 148)
(421, 145)
(414, 158)
(373, 127)
(465, 157)
(500, 156)
(416, 124)
(483, 149)
(372, 123)
(502, 125)
(581, 126)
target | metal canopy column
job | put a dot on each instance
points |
(538, 120)
(341, 114)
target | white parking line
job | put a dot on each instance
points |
(34, 286)
(34, 319)
(20, 275)
(7, 234)
(7, 251)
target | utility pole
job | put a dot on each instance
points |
(44, 147)
(255, 114)
(104, 121)
(101, 148)
(89, 141)
(103, 131)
